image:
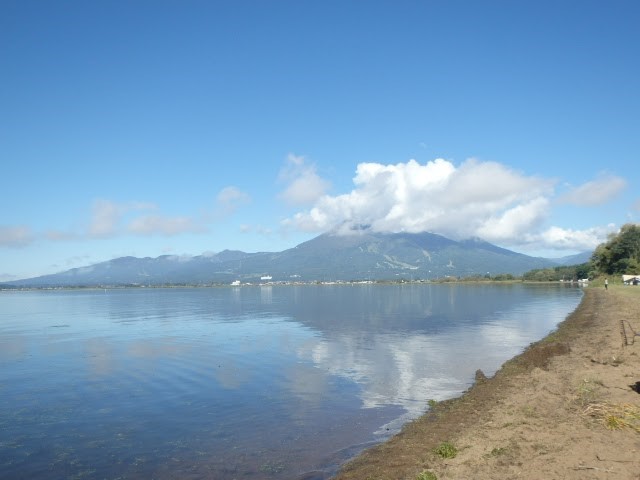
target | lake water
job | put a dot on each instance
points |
(271, 382)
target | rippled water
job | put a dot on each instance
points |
(274, 382)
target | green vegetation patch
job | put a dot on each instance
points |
(620, 254)
(427, 475)
(446, 450)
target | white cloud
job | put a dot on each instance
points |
(596, 192)
(560, 238)
(229, 199)
(15, 236)
(515, 223)
(305, 186)
(107, 216)
(484, 199)
(111, 219)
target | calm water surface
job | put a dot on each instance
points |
(250, 382)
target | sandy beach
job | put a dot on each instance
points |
(566, 408)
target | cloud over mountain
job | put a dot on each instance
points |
(475, 199)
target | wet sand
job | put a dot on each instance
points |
(566, 408)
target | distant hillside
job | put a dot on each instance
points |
(329, 257)
(576, 259)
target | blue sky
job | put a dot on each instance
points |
(157, 127)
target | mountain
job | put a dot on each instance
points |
(576, 259)
(331, 256)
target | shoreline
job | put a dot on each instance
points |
(565, 408)
(7, 287)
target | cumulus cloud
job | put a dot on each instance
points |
(560, 238)
(229, 199)
(475, 199)
(485, 199)
(111, 218)
(15, 236)
(304, 185)
(595, 192)
(107, 216)
(515, 224)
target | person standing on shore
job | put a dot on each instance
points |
(606, 283)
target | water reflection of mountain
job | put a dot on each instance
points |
(380, 308)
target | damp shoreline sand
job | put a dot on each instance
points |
(568, 407)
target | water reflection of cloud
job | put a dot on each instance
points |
(229, 375)
(408, 369)
(100, 357)
(308, 384)
(153, 349)
(13, 348)
(391, 369)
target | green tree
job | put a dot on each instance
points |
(566, 273)
(583, 270)
(620, 254)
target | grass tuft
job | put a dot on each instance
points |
(615, 417)
(589, 391)
(427, 475)
(496, 452)
(446, 450)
